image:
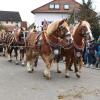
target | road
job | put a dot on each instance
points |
(17, 84)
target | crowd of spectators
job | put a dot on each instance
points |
(91, 54)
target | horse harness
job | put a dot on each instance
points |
(78, 52)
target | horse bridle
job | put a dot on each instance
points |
(65, 35)
(84, 33)
(65, 31)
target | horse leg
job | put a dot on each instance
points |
(81, 65)
(29, 60)
(67, 67)
(57, 61)
(58, 70)
(48, 62)
(70, 64)
(20, 52)
(23, 56)
(9, 52)
(36, 61)
(76, 66)
(4, 51)
(16, 54)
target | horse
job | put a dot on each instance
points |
(3, 33)
(73, 55)
(57, 34)
(22, 44)
(13, 41)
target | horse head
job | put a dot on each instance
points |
(60, 29)
(84, 29)
(65, 31)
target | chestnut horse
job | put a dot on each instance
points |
(13, 41)
(2, 43)
(57, 34)
(81, 33)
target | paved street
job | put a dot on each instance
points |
(17, 84)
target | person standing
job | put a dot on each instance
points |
(91, 59)
(98, 53)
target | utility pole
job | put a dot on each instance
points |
(74, 15)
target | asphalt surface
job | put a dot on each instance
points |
(17, 84)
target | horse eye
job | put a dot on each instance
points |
(60, 27)
(66, 40)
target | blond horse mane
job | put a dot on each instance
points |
(83, 23)
(54, 26)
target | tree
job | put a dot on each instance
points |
(71, 19)
(87, 13)
(2, 27)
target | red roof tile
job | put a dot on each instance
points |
(45, 8)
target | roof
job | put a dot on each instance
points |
(9, 16)
(45, 8)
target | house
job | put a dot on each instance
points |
(54, 10)
(10, 19)
(24, 24)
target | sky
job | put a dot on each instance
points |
(24, 7)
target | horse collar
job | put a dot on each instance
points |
(78, 47)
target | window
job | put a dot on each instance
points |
(42, 22)
(66, 6)
(56, 6)
(11, 22)
(49, 22)
(51, 6)
(6, 22)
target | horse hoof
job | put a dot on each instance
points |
(67, 76)
(78, 76)
(9, 60)
(35, 65)
(23, 64)
(44, 75)
(70, 69)
(17, 63)
(20, 59)
(4, 55)
(58, 71)
(47, 77)
(30, 71)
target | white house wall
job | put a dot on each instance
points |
(10, 23)
(39, 17)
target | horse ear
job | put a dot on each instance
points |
(61, 22)
(80, 21)
(66, 19)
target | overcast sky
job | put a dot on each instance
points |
(26, 6)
